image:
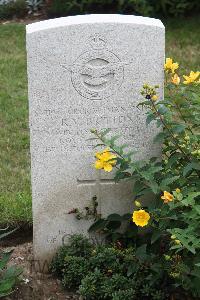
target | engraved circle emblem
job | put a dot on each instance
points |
(97, 73)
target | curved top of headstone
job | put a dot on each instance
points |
(93, 18)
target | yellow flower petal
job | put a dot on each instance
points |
(191, 78)
(167, 197)
(170, 66)
(141, 217)
(107, 167)
(98, 164)
(176, 79)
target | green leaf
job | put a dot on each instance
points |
(150, 118)
(174, 158)
(132, 268)
(126, 217)
(190, 199)
(154, 187)
(190, 166)
(4, 259)
(198, 264)
(2, 235)
(138, 187)
(6, 286)
(167, 181)
(12, 272)
(113, 225)
(114, 217)
(159, 137)
(98, 225)
(178, 128)
(105, 132)
(162, 109)
(113, 139)
(141, 252)
(156, 235)
(98, 145)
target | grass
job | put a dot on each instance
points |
(182, 43)
(15, 196)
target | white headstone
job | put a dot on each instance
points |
(85, 72)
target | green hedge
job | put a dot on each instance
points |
(13, 9)
(58, 8)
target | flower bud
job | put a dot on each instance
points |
(93, 130)
(178, 190)
(137, 203)
(154, 97)
(167, 257)
(145, 86)
(173, 237)
(187, 138)
(177, 242)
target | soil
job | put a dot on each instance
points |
(33, 285)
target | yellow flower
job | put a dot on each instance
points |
(167, 197)
(178, 190)
(105, 160)
(191, 78)
(176, 79)
(141, 217)
(154, 97)
(170, 66)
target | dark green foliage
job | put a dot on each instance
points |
(124, 294)
(109, 271)
(59, 8)
(175, 7)
(173, 228)
(77, 246)
(74, 270)
(17, 9)
(107, 258)
(96, 285)
(68, 7)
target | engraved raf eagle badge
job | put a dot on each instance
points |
(97, 73)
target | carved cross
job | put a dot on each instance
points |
(98, 183)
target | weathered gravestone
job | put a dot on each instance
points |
(85, 72)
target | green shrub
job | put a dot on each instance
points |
(58, 8)
(125, 294)
(78, 246)
(97, 285)
(12, 9)
(173, 216)
(107, 258)
(175, 7)
(74, 270)
(107, 272)
(33, 5)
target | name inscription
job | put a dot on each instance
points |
(70, 129)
